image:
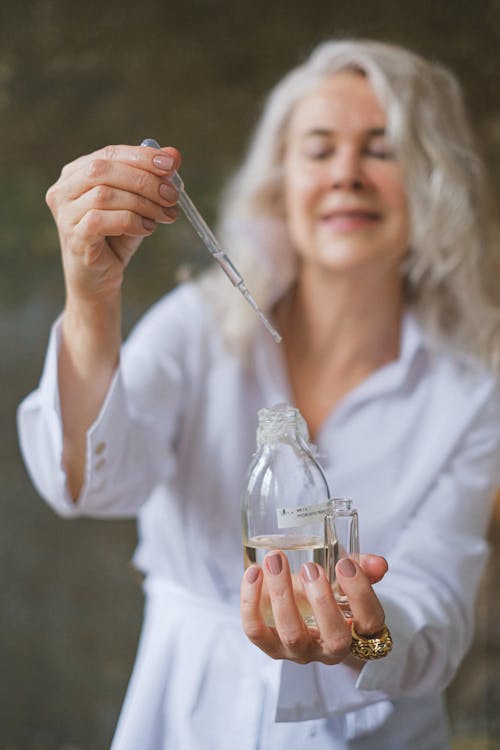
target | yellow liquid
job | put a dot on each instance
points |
(299, 550)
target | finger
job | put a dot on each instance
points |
(101, 174)
(103, 197)
(252, 619)
(368, 613)
(158, 161)
(289, 623)
(334, 630)
(374, 567)
(97, 224)
(115, 175)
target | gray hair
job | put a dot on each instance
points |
(450, 223)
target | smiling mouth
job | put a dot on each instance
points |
(350, 219)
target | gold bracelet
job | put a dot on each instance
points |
(373, 646)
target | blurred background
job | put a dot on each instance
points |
(73, 77)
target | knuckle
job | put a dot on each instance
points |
(103, 195)
(97, 168)
(339, 644)
(293, 639)
(281, 594)
(143, 205)
(91, 221)
(253, 631)
(303, 659)
(109, 153)
(142, 182)
(50, 196)
(276, 655)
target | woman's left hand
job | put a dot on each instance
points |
(291, 638)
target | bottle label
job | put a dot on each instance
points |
(304, 514)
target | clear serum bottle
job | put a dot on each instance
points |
(285, 499)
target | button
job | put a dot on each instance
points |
(100, 464)
(100, 447)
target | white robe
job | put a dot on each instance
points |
(416, 445)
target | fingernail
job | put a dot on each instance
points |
(168, 192)
(148, 224)
(163, 161)
(171, 213)
(310, 572)
(274, 564)
(252, 573)
(346, 567)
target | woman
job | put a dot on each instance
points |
(358, 220)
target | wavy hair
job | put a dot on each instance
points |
(452, 229)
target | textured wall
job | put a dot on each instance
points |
(73, 77)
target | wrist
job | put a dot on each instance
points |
(91, 331)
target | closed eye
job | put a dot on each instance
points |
(378, 146)
(319, 154)
(379, 153)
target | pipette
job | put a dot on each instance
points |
(212, 245)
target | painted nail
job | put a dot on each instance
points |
(148, 224)
(163, 161)
(346, 567)
(168, 192)
(252, 573)
(274, 564)
(310, 572)
(171, 213)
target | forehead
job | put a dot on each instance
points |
(343, 101)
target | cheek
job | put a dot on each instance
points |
(298, 213)
(392, 188)
(396, 202)
(402, 212)
(300, 195)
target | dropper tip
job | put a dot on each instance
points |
(276, 336)
(274, 333)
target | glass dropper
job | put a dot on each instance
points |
(212, 244)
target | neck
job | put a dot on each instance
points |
(343, 316)
(337, 330)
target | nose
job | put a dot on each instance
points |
(347, 170)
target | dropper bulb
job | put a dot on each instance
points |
(151, 143)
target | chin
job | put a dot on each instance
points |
(345, 259)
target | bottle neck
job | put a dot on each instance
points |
(281, 424)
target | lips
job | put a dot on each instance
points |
(346, 219)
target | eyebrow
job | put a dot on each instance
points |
(327, 132)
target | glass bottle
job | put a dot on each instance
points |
(341, 540)
(284, 502)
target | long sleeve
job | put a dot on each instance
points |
(131, 445)
(430, 591)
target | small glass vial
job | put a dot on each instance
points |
(342, 540)
(285, 499)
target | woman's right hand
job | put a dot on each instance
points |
(104, 203)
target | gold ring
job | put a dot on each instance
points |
(369, 647)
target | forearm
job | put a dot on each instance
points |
(88, 357)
